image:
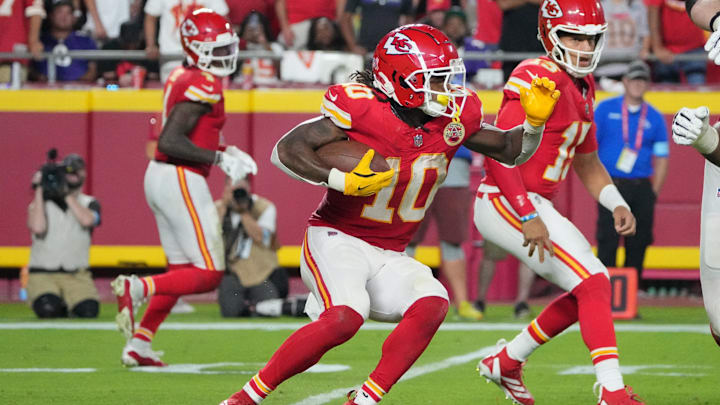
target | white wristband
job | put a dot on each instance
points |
(532, 136)
(610, 198)
(530, 129)
(707, 142)
(336, 180)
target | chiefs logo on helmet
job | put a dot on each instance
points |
(189, 28)
(400, 44)
(551, 9)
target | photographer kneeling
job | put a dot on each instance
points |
(61, 219)
(253, 283)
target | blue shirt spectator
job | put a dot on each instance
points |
(633, 147)
(61, 38)
(611, 142)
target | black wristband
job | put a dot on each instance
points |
(712, 21)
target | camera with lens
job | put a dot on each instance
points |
(243, 198)
(53, 179)
(53, 175)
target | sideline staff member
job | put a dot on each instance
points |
(633, 146)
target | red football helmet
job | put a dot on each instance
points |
(584, 17)
(405, 61)
(209, 42)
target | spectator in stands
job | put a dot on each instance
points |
(455, 27)
(451, 211)
(377, 18)
(253, 284)
(108, 16)
(486, 37)
(121, 71)
(672, 33)
(61, 219)
(295, 17)
(627, 34)
(21, 32)
(325, 35)
(435, 12)
(61, 38)
(255, 36)
(519, 29)
(492, 254)
(171, 14)
(240, 9)
(633, 147)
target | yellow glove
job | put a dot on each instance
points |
(360, 181)
(539, 101)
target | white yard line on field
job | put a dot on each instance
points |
(275, 326)
(416, 371)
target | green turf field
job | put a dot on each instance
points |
(668, 357)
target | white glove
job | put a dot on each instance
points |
(236, 163)
(691, 127)
(712, 46)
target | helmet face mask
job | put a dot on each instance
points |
(418, 67)
(209, 42)
(572, 17)
(569, 57)
(449, 100)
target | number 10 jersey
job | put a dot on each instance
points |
(420, 157)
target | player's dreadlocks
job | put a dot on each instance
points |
(363, 77)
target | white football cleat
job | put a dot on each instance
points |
(129, 293)
(138, 353)
(623, 396)
(510, 379)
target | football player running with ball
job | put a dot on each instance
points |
(513, 208)
(412, 109)
(175, 186)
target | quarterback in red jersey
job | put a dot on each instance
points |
(513, 208)
(175, 186)
(413, 109)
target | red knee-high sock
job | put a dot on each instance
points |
(596, 325)
(555, 318)
(184, 280)
(305, 347)
(406, 343)
(155, 314)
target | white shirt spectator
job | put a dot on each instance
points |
(172, 13)
(627, 29)
(112, 13)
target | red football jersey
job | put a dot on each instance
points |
(420, 157)
(569, 130)
(14, 21)
(192, 84)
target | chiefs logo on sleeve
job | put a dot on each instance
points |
(400, 44)
(551, 9)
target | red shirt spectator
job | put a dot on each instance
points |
(678, 33)
(489, 21)
(295, 16)
(16, 25)
(239, 9)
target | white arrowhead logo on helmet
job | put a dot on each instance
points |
(189, 29)
(400, 44)
(551, 9)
